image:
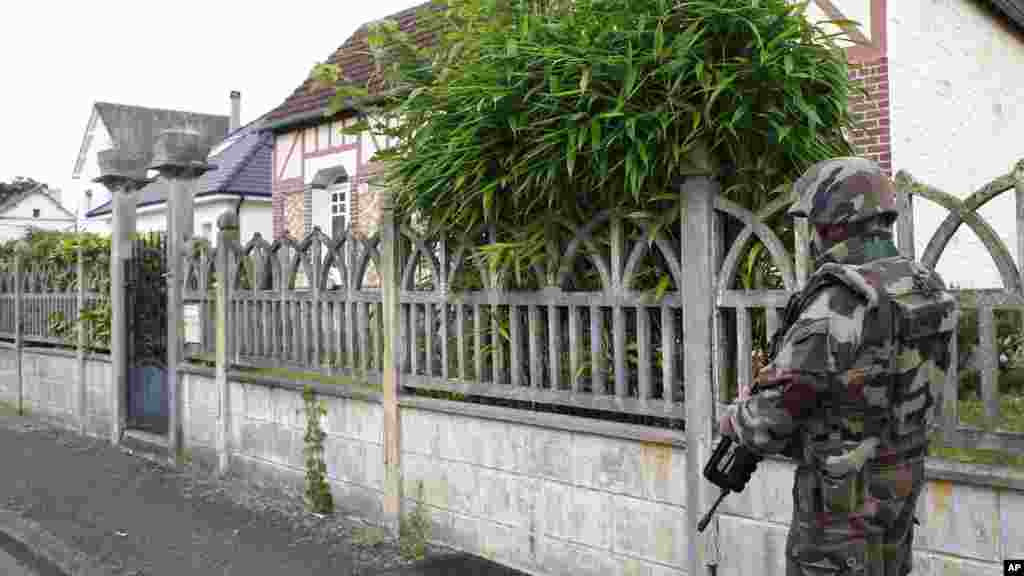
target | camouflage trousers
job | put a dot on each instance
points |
(851, 530)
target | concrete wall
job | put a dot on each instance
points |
(50, 386)
(547, 494)
(544, 500)
(553, 501)
(957, 118)
(267, 428)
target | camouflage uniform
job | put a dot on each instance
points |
(847, 391)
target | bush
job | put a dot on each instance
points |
(529, 113)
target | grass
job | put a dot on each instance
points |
(310, 376)
(972, 413)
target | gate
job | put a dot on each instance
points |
(146, 316)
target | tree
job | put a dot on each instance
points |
(17, 185)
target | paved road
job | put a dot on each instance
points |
(17, 560)
(9, 566)
(111, 514)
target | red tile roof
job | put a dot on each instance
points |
(356, 64)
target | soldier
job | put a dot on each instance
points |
(848, 388)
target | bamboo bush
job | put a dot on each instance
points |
(527, 114)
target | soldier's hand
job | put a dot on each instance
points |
(744, 392)
(725, 422)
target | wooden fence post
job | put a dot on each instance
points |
(81, 403)
(19, 319)
(390, 277)
(699, 303)
(227, 241)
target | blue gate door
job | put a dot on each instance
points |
(147, 334)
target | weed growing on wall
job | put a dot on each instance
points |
(318, 493)
(414, 530)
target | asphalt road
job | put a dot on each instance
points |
(10, 566)
(17, 560)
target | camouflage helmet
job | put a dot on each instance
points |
(843, 191)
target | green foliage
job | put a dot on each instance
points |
(56, 253)
(527, 113)
(318, 492)
(414, 531)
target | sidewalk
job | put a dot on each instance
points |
(116, 513)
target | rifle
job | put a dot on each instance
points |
(730, 468)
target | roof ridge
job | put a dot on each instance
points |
(152, 109)
(41, 188)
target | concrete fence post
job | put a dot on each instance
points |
(122, 172)
(1018, 190)
(180, 157)
(699, 303)
(227, 242)
(390, 277)
(19, 320)
(81, 407)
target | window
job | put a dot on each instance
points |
(35, 212)
(208, 230)
(340, 206)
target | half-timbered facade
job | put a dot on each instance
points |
(321, 175)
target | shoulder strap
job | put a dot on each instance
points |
(827, 275)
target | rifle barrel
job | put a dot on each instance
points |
(707, 517)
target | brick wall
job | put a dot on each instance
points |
(284, 189)
(871, 137)
(294, 209)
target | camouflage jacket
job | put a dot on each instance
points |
(852, 408)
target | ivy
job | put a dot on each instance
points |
(318, 492)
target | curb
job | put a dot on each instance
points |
(50, 548)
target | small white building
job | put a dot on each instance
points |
(37, 208)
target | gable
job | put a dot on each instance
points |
(25, 204)
(308, 103)
(865, 40)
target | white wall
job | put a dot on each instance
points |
(255, 216)
(956, 78)
(321, 198)
(13, 229)
(74, 198)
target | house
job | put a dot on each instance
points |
(943, 84)
(121, 126)
(320, 175)
(37, 208)
(240, 182)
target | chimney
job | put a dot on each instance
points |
(236, 111)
